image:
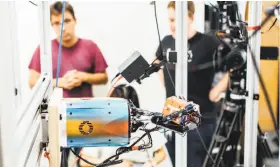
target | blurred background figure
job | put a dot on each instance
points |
(82, 63)
(199, 83)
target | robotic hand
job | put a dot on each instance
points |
(101, 122)
(178, 115)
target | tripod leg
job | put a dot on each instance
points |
(213, 143)
(227, 133)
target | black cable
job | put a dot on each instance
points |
(168, 71)
(64, 158)
(118, 74)
(204, 144)
(160, 43)
(122, 150)
(272, 25)
(263, 23)
(33, 3)
(86, 161)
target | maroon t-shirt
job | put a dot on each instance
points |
(83, 56)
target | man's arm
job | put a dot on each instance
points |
(33, 78)
(221, 87)
(93, 78)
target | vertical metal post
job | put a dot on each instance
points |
(45, 41)
(277, 14)
(7, 96)
(199, 16)
(181, 74)
(251, 115)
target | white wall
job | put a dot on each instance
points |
(118, 28)
(28, 39)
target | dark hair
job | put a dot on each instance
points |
(126, 92)
(191, 9)
(56, 8)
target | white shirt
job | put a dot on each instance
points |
(158, 140)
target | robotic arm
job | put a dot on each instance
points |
(178, 115)
(101, 122)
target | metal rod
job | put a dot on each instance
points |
(251, 114)
(45, 40)
(23, 126)
(181, 46)
(277, 14)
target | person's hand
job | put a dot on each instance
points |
(70, 75)
(82, 76)
(74, 74)
(65, 84)
(148, 164)
(74, 83)
(70, 80)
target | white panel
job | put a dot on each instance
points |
(7, 98)
(28, 39)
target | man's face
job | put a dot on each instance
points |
(69, 26)
(172, 21)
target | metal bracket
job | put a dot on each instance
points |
(256, 97)
(171, 56)
(44, 122)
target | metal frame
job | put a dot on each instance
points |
(251, 114)
(29, 127)
(27, 122)
(7, 96)
(181, 47)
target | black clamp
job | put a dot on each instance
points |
(256, 96)
(44, 106)
(171, 56)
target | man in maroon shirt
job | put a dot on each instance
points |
(82, 63)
